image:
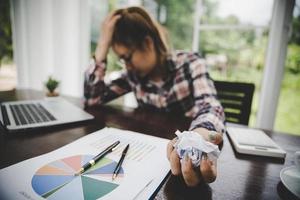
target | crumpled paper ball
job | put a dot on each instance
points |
(193, 145)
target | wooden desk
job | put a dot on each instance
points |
(239, 176)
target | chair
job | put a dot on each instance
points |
(236, 99)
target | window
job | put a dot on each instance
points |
(7, 67)
(233, 37)
(287, 116)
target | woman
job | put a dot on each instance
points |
(160, 80)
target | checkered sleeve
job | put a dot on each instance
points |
(96, 91)
(208, 112)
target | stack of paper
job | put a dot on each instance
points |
(51, 175)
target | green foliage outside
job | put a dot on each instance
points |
(6, 50)
(246, 54)
(288, 110)
(179, 22)
(293, 58)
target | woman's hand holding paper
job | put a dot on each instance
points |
(193, 157)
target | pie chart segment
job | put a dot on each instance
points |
(52, 191)
(99, 164)
(73, 189)
(63, 166)
(94, 189)
(74, 162)
(106, 169)
(56, 180)
(86, 158)
(49, 170)
(45, 183)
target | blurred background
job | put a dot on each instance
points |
(236, 37)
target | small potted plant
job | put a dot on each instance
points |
(51, 84)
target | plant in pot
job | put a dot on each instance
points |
(51, 84)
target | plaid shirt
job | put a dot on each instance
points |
(188, 89)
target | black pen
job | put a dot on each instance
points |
(118, 167)
(96, 158)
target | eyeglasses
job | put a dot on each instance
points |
(127, 59)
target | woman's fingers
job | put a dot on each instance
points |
(109, 17)
(173, 158)
(208, 170)
(215, 138)
(114, 19)
(107, 29)
(169, 150)
(185, 167)
(190, 176)
(175, 163)
(170, 147)
(111, 20)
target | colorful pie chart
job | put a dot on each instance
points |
(56, 180)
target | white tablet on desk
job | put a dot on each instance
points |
(254, 142)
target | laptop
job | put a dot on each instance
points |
(18, 115)
(254, 142)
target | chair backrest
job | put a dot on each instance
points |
(236, 99)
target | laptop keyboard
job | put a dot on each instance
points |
(5, 116)
(30, 114)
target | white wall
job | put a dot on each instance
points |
(51, 37)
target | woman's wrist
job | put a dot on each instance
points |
(101, 63)
(208, 135)
(101, 52)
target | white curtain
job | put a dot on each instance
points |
(51, 37)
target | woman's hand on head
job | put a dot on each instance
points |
(207, 171)
(106, 30)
